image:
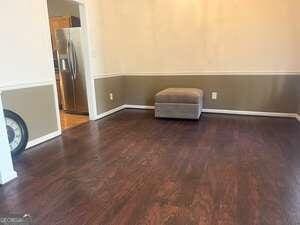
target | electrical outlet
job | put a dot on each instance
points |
(214, 95)
(111, 96)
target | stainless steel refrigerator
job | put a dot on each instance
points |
(71, 70)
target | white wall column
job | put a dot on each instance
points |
(7, 172)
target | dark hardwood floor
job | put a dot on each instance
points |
(132, 169)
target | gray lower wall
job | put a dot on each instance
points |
(36, 106)
(254, 93)
(298, 100)
(238, 92)
(105, 86)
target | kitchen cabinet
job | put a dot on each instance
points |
(59, 22)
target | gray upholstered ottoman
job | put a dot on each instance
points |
(183, 103)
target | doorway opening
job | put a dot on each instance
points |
(67, 37)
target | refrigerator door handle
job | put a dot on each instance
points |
(70, 63)
(68, 57)
(74, 59)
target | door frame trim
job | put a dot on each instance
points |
(86, 43)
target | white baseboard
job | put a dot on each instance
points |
(4, 178)
(233, 112)
(110, 112)
(250, 113)
(217, 111)
(139, 107)
(43, 139)
(102, 115)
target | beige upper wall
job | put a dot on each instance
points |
(202, 35)
(104, 35)
(25, 55)
(136, 36)
(158, 36)
(62, 8)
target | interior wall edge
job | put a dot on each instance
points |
(7, 171)
(7, 177)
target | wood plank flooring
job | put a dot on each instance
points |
(72, 120)
(132, 169)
